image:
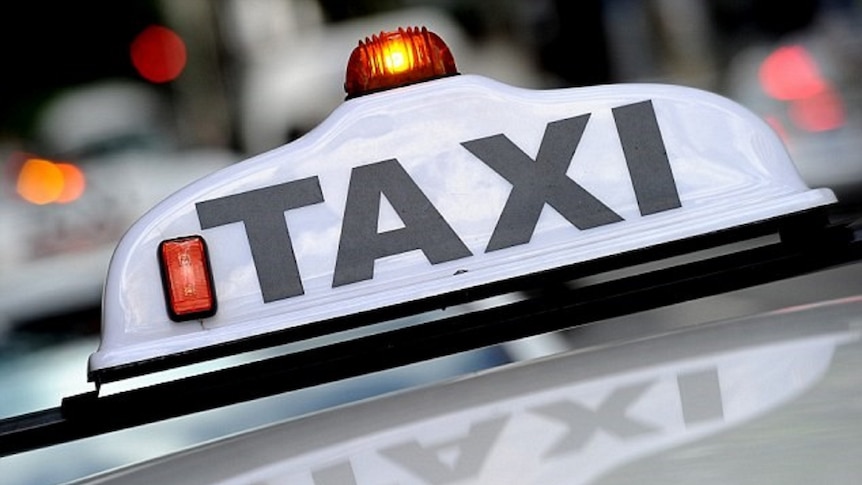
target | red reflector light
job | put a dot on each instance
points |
(393, 59)
(187, 278)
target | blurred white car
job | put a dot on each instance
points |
(108, 145)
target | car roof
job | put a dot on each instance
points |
(683, 405)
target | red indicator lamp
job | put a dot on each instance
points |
(392, 59)
(187, 278)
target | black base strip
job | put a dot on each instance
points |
(799, 252)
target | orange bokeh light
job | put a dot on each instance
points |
(74, 183)
(159, 54)
(40, 181)
(43, 182)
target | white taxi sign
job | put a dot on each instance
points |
(439, 187)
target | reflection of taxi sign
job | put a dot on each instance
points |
(597, 420)
(441, 188)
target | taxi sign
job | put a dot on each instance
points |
(435, 188)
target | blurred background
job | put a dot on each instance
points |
(106, 107)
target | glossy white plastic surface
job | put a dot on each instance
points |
(729, 169)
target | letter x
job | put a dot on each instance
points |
(582, 422)
(539, 182)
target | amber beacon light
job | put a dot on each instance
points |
(393, 59)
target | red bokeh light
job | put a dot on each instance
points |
(159, 54)
(791, 73)
(821, 112)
